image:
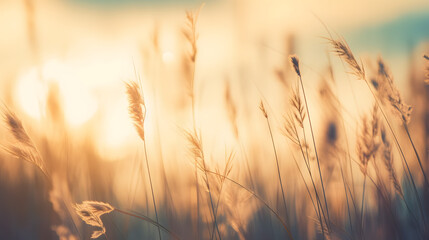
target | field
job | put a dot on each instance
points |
(213, 121)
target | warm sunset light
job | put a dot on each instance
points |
(226, 119)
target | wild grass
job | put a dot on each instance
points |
(137, 111)
(315, 187)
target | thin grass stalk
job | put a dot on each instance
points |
(402, 196)
(316, 210)
(312, 136)
(190, 34)
(417, 154)
(277, 160)
(210, 196)
(216, 209)
(226, 172)
(149, 220)
(347, 198)
(319, 203)
(362, 207)
(307, 162)
(137, 110)
(151, 188)
(331, 71)
(259, 198)
(292, 133)
(198, 152)
(390, 210)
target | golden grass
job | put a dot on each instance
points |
(207, 205)
(23, 148)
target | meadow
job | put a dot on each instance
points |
(271, 148)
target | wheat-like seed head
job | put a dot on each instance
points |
(298, 109)
(367, 141)
(24, 149)
(262, 108)
(90, 212)
(342, 49)
(294, 60)
(136, 107)
(290, 130)
(196, 148)
(16, 128)
(389, 93)
(388, 161)
(190, 32)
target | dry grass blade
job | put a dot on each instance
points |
(137, 107)
(90, 212)
(24, 149)
(342, 49)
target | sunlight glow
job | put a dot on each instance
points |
(168, 57)
(116, 130)
(78, 103)
(31, 93)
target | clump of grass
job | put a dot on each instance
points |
(388, 92)
(341, 48)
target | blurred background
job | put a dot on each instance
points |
(64, 63)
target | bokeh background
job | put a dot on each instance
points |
(63, 64)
